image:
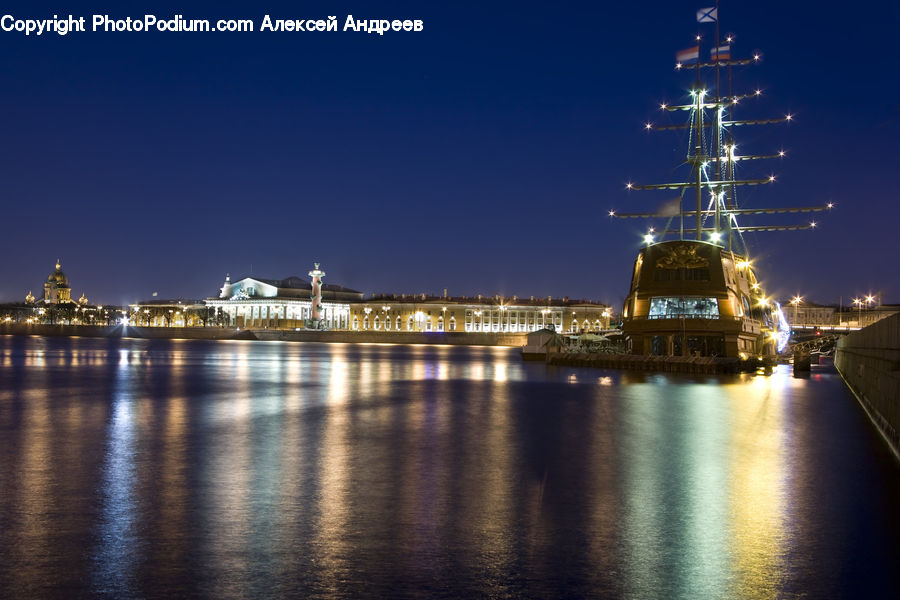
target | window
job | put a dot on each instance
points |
(674, 307)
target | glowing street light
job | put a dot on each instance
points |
(858, 302)
(795, 301)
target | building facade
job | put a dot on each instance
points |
(294, 303)
(423, 313)
(280, 304)
(56, 288)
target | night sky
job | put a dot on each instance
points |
(481, 155)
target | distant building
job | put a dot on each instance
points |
(291, 303)
(402, 313)
(56, 288)
(56, 306)
(803, 314)
(169, 313)
(280, 304)
(810, 314)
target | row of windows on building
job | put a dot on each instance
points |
(360, 317)
(492, 321)
(335, 316)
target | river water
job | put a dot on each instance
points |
(167, 468)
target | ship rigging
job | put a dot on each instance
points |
(694, 290)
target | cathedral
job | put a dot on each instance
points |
(56, 290)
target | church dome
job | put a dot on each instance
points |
(58, 277)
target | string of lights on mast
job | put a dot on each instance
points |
(713, 155)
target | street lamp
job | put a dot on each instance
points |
(858, 302)
(796, 301)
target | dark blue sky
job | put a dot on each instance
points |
(480, 155)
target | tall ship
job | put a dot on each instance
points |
(694, 289)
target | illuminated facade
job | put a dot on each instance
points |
(56, 288)
(295, 303)
(56, 305)
(281, 304)
(406, 313)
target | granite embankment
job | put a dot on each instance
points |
(226, 333)
(869, 362)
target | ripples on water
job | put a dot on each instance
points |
(134, 468)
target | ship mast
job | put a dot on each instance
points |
(717, 150)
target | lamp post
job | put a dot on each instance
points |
(796, 301)
(858, 302)
(869, 300)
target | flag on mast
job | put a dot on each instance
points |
(688, 55)
(720, 53)
(708, 15)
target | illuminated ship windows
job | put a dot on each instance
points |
(674, 307)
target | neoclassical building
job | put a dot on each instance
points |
(403, 313)
(282, 303)
(295, 303)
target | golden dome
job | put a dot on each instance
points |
(58, 277)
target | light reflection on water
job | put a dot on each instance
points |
(240, 469)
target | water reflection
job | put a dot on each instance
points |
(117, 551)
(240, 469)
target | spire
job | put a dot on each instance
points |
(58, 267)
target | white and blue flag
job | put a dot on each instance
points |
(708, 15)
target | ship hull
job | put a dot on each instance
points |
(691, 298)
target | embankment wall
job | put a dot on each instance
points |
(869, 362)
(220, 333)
